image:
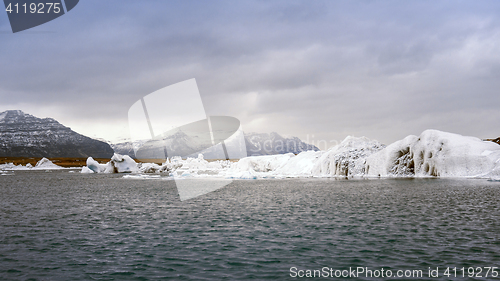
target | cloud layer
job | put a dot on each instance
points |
(314, 69)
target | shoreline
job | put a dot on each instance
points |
(65, 162)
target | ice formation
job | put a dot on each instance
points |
(438, 154)
(94, 167)
(348, 158)
(432, 154)
(43, 164)
(118, 164)
(124, 164)
(11, 167)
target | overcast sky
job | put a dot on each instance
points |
(312, 69)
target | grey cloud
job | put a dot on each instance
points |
(328, 68)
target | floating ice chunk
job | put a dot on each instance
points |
(148, 168)
(86, 170)
(10, 166)
(99, 168)
(118, 164)
(45, 164)
(124, 164)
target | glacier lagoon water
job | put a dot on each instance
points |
(70, 226)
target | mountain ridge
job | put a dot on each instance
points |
(256, 144)
(24, 135)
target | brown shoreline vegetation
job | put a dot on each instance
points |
(63, 162)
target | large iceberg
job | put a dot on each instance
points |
(45, 164)
(438, 154)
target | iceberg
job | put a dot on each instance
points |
(123, 164)
(45, 164)
(12, 166)
(118, 164)
(348, 158)
(94, 167)
(435, 154)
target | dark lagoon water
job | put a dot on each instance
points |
(70, 226)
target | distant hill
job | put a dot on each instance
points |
(273, 143)
(256, 144)
(24, 135)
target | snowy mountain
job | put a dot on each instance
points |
(24, 135)
(273, 143)
(256, 144)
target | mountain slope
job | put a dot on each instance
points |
(256, 144)
(273, 143)
(24, 135)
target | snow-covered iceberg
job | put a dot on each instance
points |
(125, 164)
(45, 164)
(118, 164)
(438, 154)
(346, 159)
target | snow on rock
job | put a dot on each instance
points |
(435, 153)
(45, 164)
